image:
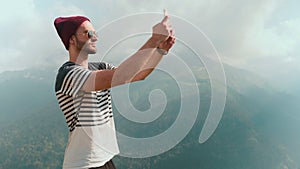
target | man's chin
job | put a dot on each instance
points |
(92, 52)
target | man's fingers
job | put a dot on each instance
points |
(173, 41)
(166, 16)
(166, 19)
(166, 12)
(172, 32)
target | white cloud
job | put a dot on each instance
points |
(14, 9)
(64, 9)
(247, 34)
(29, 37)
(237, 28)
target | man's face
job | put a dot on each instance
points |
(86, 38)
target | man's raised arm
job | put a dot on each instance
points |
(139, 65)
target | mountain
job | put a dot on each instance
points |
(258, 128)
(23, 92)
(32, 128)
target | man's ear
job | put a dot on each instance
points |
(72, 40)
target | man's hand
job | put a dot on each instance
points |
(162, 31)
(167, 44)
(164, 34)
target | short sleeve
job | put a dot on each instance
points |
(70, 79)
(100, 66)
(109, 66)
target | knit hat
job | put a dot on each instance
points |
(67, 26)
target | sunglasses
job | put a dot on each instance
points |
(90, 33)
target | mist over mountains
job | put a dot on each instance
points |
(259, 127)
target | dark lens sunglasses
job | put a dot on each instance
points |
(90, 33)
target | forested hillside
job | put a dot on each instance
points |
(258, 128)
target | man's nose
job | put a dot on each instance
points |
(94, 38)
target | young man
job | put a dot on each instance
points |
(83, 89)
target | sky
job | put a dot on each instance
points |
(261, 36)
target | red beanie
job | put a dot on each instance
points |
(67, 26)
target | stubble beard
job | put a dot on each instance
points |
(86, 47)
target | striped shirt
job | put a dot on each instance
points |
(92, 140)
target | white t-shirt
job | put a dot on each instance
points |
(92, 138)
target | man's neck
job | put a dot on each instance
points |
(79, 58)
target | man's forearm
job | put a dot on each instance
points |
(149, 66)
(128, 70)
(155, 58)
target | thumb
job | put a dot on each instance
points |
(165, 19)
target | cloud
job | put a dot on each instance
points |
(262, 36)
(15, 24)
(29, 37)
(16, 9)
(246, 34)
(238, 29)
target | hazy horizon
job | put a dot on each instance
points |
(258, 36)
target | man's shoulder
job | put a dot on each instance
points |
(66, 67)
(68, 64)
(62, 72)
